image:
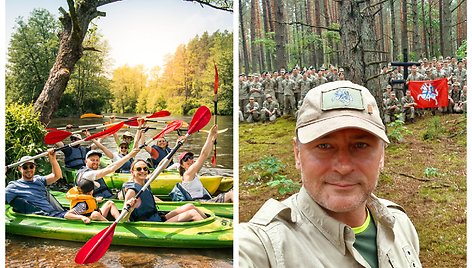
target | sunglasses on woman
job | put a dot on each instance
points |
(26, 166)
(138, 169)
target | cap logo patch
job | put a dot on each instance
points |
(342, 98)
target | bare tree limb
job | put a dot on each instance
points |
(104, 2)
(225, 6)
(308, 25)
(92, 49)
(454, 9)
(413, 177)
(374, 5)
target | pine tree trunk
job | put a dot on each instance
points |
(447, 29)
(266, 19)
(358, 38)
(280, 35)
(319, 49)
(425, 31)
(404, 25)
(393, 27)
(254, 47)
(245, 56)
(416, 34)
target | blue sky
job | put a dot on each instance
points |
(138, 31)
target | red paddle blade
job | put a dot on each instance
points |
(169, 128)
(159, 114)
(96, 247)
(56, 136)
(133, 121)
(51, 129)
(216, 80)
(200, 119)
(108, 131)
(213, 159)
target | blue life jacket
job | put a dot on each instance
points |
(126, 167)
(103, 190)
(147, 211)
(162, 154)
(76, 158)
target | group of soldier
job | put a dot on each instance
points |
(266, 96)
(399, 106)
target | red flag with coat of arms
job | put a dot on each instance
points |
(429, 94)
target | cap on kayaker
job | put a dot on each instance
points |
(93, 152)
(182, 156)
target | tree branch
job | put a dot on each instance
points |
(92, 49)
(308, 25)
(454, 9)
(413, 177)
(374, 5)
(226, 5)
(104, 2)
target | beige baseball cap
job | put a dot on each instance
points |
(338, 105)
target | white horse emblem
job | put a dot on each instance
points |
(428, 93)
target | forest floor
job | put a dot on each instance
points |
(427, 177)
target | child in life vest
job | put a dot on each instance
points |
(83, 206)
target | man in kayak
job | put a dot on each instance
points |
(29, 193)
(74, 156)
(93, 173)
(334, 220)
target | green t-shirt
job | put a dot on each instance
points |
(366, 241)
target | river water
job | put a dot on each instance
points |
(36, 252)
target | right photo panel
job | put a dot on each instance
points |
(352, 133)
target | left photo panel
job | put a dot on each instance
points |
(119, 133)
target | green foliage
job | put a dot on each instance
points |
(24, 135)
(88, 89)
(431, 172)
(187, 80)
(283, 185)
(31, 54)
(266, 170)
(462, 50)
(434, 129)
(397, 130)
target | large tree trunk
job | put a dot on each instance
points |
(75, 25)
(266, 18)
(359, 54)
(243, 39)
(416, 28)
(441, 27)
(447, 29)
(393, 21)
(253, 30)
(319, 48)
(280, 34)
(425, 31)
(404, 23)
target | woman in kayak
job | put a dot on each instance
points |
(189, 167)
(145, 207)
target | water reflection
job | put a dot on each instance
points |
(36, 252)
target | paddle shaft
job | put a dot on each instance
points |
(44, 154)
(162, 165)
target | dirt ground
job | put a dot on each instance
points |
(434, 200)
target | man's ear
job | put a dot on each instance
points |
(381, 162)
(296, 152)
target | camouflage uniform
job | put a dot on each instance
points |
(252, 112)
(279, 91)
(243, 94)
(270, 110)
(268, 85)
(255, 90)
(289, 98)
(408, 112)
(392, 109)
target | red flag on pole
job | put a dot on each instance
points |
(429, 94)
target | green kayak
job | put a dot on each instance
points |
(212, 232)
(219, 209)
(163, 184)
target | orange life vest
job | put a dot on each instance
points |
(76, 197)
